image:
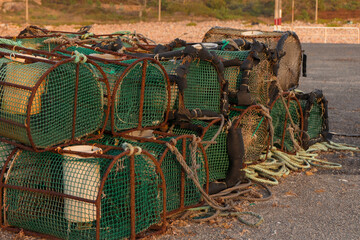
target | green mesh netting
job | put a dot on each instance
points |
(314, 107)
(5, 150)
(128, 94)
(281, 123)
(216, 153)
(259, 78)
(203, 87)
(232, 74)
(171, 169)
(52, 109)
(72, 219)
(127, 101)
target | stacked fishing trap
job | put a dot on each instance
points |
(105, 136)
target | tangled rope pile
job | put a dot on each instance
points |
(228, 196)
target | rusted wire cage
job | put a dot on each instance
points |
(316, 120)
(48, 40)
(258, 79)
(140, 90)
(47, 102)
(83, 192)
(287, 45)
(181, 192)
(288, 122)
(254, 125)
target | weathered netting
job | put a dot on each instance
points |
(216, 153)
(260, 79)
(232, 74)
(171, 169)
(125, 80)
(288, 73)
(52, 107)
(283, 128)
(154, 91)
(316, 126)
(220, 33)
(5, 150)
(203, 86)
(48, 211)
(254, 126)
(38, 43)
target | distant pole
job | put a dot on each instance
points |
(292, 14)
(276, 14)
(27, 11)
(159, 17)
(316, 11)
(280, 15)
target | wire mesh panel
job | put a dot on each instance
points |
(216, 153)
(260, 75)
(287, 128)
(315, 111)
(5, 151)
(141, 97)
(254, 124)
(232, 74)
(180, 190)
(140, 90)
(71, 196)
(203, 89)
(45, 103)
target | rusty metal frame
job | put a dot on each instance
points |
(97, 202)
(82, 43)
(289, 97)
(144, 62)
(33, 91)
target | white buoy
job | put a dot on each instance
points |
(81, 179)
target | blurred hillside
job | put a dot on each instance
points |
(43, 12)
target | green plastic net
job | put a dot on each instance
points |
(5, 151)
(283, 129)
(171, 169)
(127, 79)
(52, 108)
(216, 153)
(232, 74)
(66, 218)
(203, 87)
(316, 125)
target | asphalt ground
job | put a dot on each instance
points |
(324, 205)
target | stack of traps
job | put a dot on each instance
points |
(85, 131)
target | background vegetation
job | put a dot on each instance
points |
(101, 11)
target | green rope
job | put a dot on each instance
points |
(79, 57)
(10, 42)
(87, 35)
(257, 128)
(225, 44)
